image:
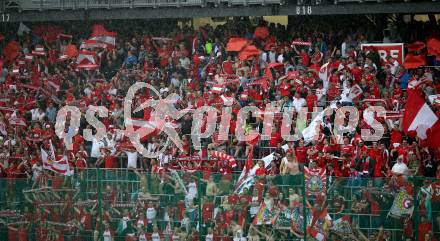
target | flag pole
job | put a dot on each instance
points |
(303, 186)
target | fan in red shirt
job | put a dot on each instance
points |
(284, 88)
(227, 66)
(301, 152)
(261, 171)
(110, 161)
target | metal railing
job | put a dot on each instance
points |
(104, 192)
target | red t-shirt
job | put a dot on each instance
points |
(110, 162)
(207, 211)
(301, 154)
(424, 228)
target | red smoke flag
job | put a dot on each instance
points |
(248, 52)
(11, 51)
(100, 33)
(419, 117)
(416, 46)
(434, 47)
(236, 44)
(70, 51)
(271, 41)
(261, 33)
(413, 61)
(270, 70)
(415, 58)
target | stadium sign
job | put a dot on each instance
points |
(395, 50)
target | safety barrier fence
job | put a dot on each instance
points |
(94, 201)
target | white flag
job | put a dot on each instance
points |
(22, 29)
(324, 75)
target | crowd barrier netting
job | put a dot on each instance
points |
(84, 206)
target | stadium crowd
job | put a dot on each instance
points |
(180, 184)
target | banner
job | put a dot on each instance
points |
(265, 215)
(384, 50)
(403, 205)
(284, 219)
(297, 224)
(316, 180)
(342, 226)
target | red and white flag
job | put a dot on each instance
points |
(316, 234)
(91, 44)
(301, 43)
(39, 51)
(227, 100)
(87, 60)
(100, 33)
(50, 162)
(419, 117)
(355, 91)
(224, 157)
(217, 89)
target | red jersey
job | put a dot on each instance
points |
(110, 162)
(301, 154)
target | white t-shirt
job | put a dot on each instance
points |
(400, 168)
(142, 237)
(272, 57)
(96, 145)
(209, 237)
(36, 171)
(107, 235)
(155, 237)
(151, 214)
(37, 115)
(298, 103)
(280, 58)
(192, 189)
(131, 159)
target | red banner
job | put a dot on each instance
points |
(384, 50)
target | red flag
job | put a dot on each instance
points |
(52, 33)
(249, 161)
(433, 46)
(262, 82)
(413, 61)
(275, 66)
(2, 37)
(261, 33)
(272, 41)
(11, 50)
(71, 51)
(248, 52)
(416, 46)
(236, 44)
